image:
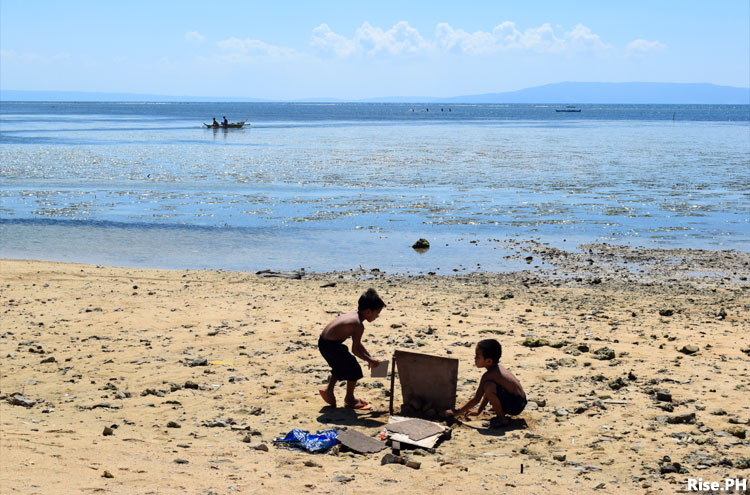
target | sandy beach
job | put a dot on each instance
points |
(118, 380)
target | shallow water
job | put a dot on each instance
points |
(338, 186)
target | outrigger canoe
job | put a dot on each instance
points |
(230, 125)
(569, 108)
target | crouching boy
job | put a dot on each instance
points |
(498, 386)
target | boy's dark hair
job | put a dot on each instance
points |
(491, 349)
(370, 300)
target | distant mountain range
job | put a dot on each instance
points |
(558, 93)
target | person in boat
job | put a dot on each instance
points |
(225, 122)
(215, 123)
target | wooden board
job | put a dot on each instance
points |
(428, 379)
(416, 429)
(359, 442)
(426, 443)
(381, 370)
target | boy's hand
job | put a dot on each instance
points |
(373, 363)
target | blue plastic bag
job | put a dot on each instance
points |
(318, 442)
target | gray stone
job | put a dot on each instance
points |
(20, 400)
(689, 349)
(670, 468)
(737, 431)
(604, 354)
(421, 244)
(617, 383)
(534, 342)
(687, 418)
(663, 396)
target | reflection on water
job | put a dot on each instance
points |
(367, 185)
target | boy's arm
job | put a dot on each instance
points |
(359, 350)
(481, 407)
(473, 402)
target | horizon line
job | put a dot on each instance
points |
(368, 99)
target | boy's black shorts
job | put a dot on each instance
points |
(343, 365)
(512, 404)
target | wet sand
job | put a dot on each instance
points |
(88, 348)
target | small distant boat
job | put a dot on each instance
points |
(569, 109)
(230, 125)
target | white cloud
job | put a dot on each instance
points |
(400, 40)
(404, 40)
(325, 39)
(506, 37)
(582, 39)
(194, 36)
(237, 50)
(641, 47)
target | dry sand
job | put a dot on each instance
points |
(122, 341)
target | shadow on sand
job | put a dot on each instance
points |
(346, 416)
(513, 425)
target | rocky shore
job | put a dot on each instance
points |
(118, 380)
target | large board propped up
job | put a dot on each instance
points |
(428, 383)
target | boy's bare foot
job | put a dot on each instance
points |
(359, 404)
(497, 422)
(328, 397)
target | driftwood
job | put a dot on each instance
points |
(283, 274)
(397, 459)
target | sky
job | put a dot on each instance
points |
(361, 49)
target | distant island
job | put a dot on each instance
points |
(558, 93)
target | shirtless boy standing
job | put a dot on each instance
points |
(343, 365)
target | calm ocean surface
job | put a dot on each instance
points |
(338, 186)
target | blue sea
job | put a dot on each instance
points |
(341, 186)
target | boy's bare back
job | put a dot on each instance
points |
(501, 376)
(342, 327)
